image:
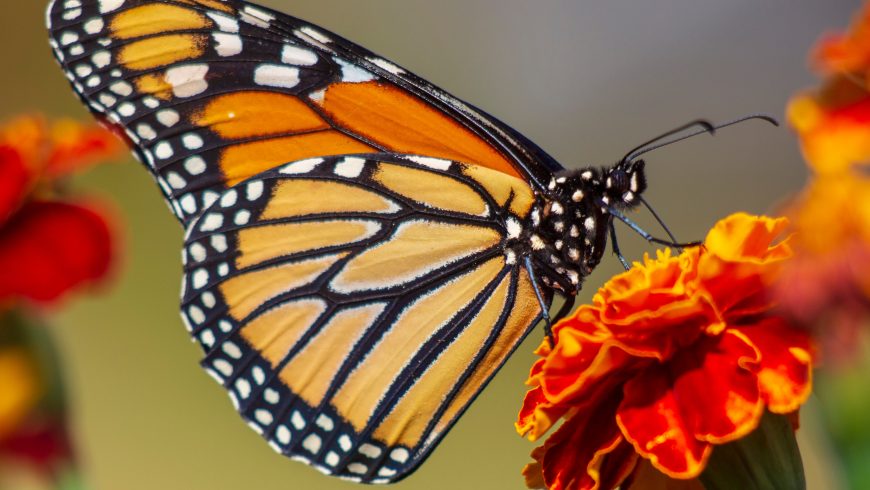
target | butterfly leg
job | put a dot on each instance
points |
(615, 246)
(566, 307)
(545, 310)
(637, 229)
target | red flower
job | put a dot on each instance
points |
(827, 286)
(48, 246)
(834, 121)
(672, 357)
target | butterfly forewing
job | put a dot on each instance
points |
(353, 306)
(212, 93)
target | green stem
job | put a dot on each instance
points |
(766, 459)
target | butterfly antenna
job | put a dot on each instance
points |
(645, 148)
(705, 125)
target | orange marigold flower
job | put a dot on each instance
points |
(48, 246)
(672, 357)
(834, 122)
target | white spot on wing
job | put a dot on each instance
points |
(94, 25)
(163, 150)
(370, 450)
(168, 117)
(188, 204)
(514, 228)
(227, 44)
(312, 443)
(297, 420)
(263, 416)
(386, 65)
(187, 80)
(224, 22)
(271, 396)
(107, 99)
(436, 163)
(344, 443)
(314, 34)
(123, 89)
(257, 17)
(351, 73)
(283, 434)
(242, 217)
(126, 109)
(212, 222)
(350, 167)
(72, 14)
(68, 37)
(324, 422)
(301, 166)
(294, 55)
(197, 252)
(110, 5)
(232, 350)
(223, 367)
(243, 386)
(194, 165)
(254, 190)
(146, 131)
(270, 75)
(192, 141)
(400, 455)
(101, 59)
(229, 198)
(199, 278)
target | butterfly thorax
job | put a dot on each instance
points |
(568, 227)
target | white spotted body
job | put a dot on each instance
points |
(567, 233)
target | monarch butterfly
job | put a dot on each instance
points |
(362, 250)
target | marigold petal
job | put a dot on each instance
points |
(578, 376)
(50, 247)
(533, 472)
(742, 261)
(652, 309)
(537, 415)
(651, 418)
(587, 452)
(718, 388)
(785, 371)
(742, 237)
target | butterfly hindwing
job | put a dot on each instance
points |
(354, 306)
(211, 93)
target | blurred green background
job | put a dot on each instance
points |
(586, 80)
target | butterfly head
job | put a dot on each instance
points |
(623, 184)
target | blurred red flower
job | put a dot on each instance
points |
(833, 122)
(827, 285)
(672, 357)
(49, 245)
